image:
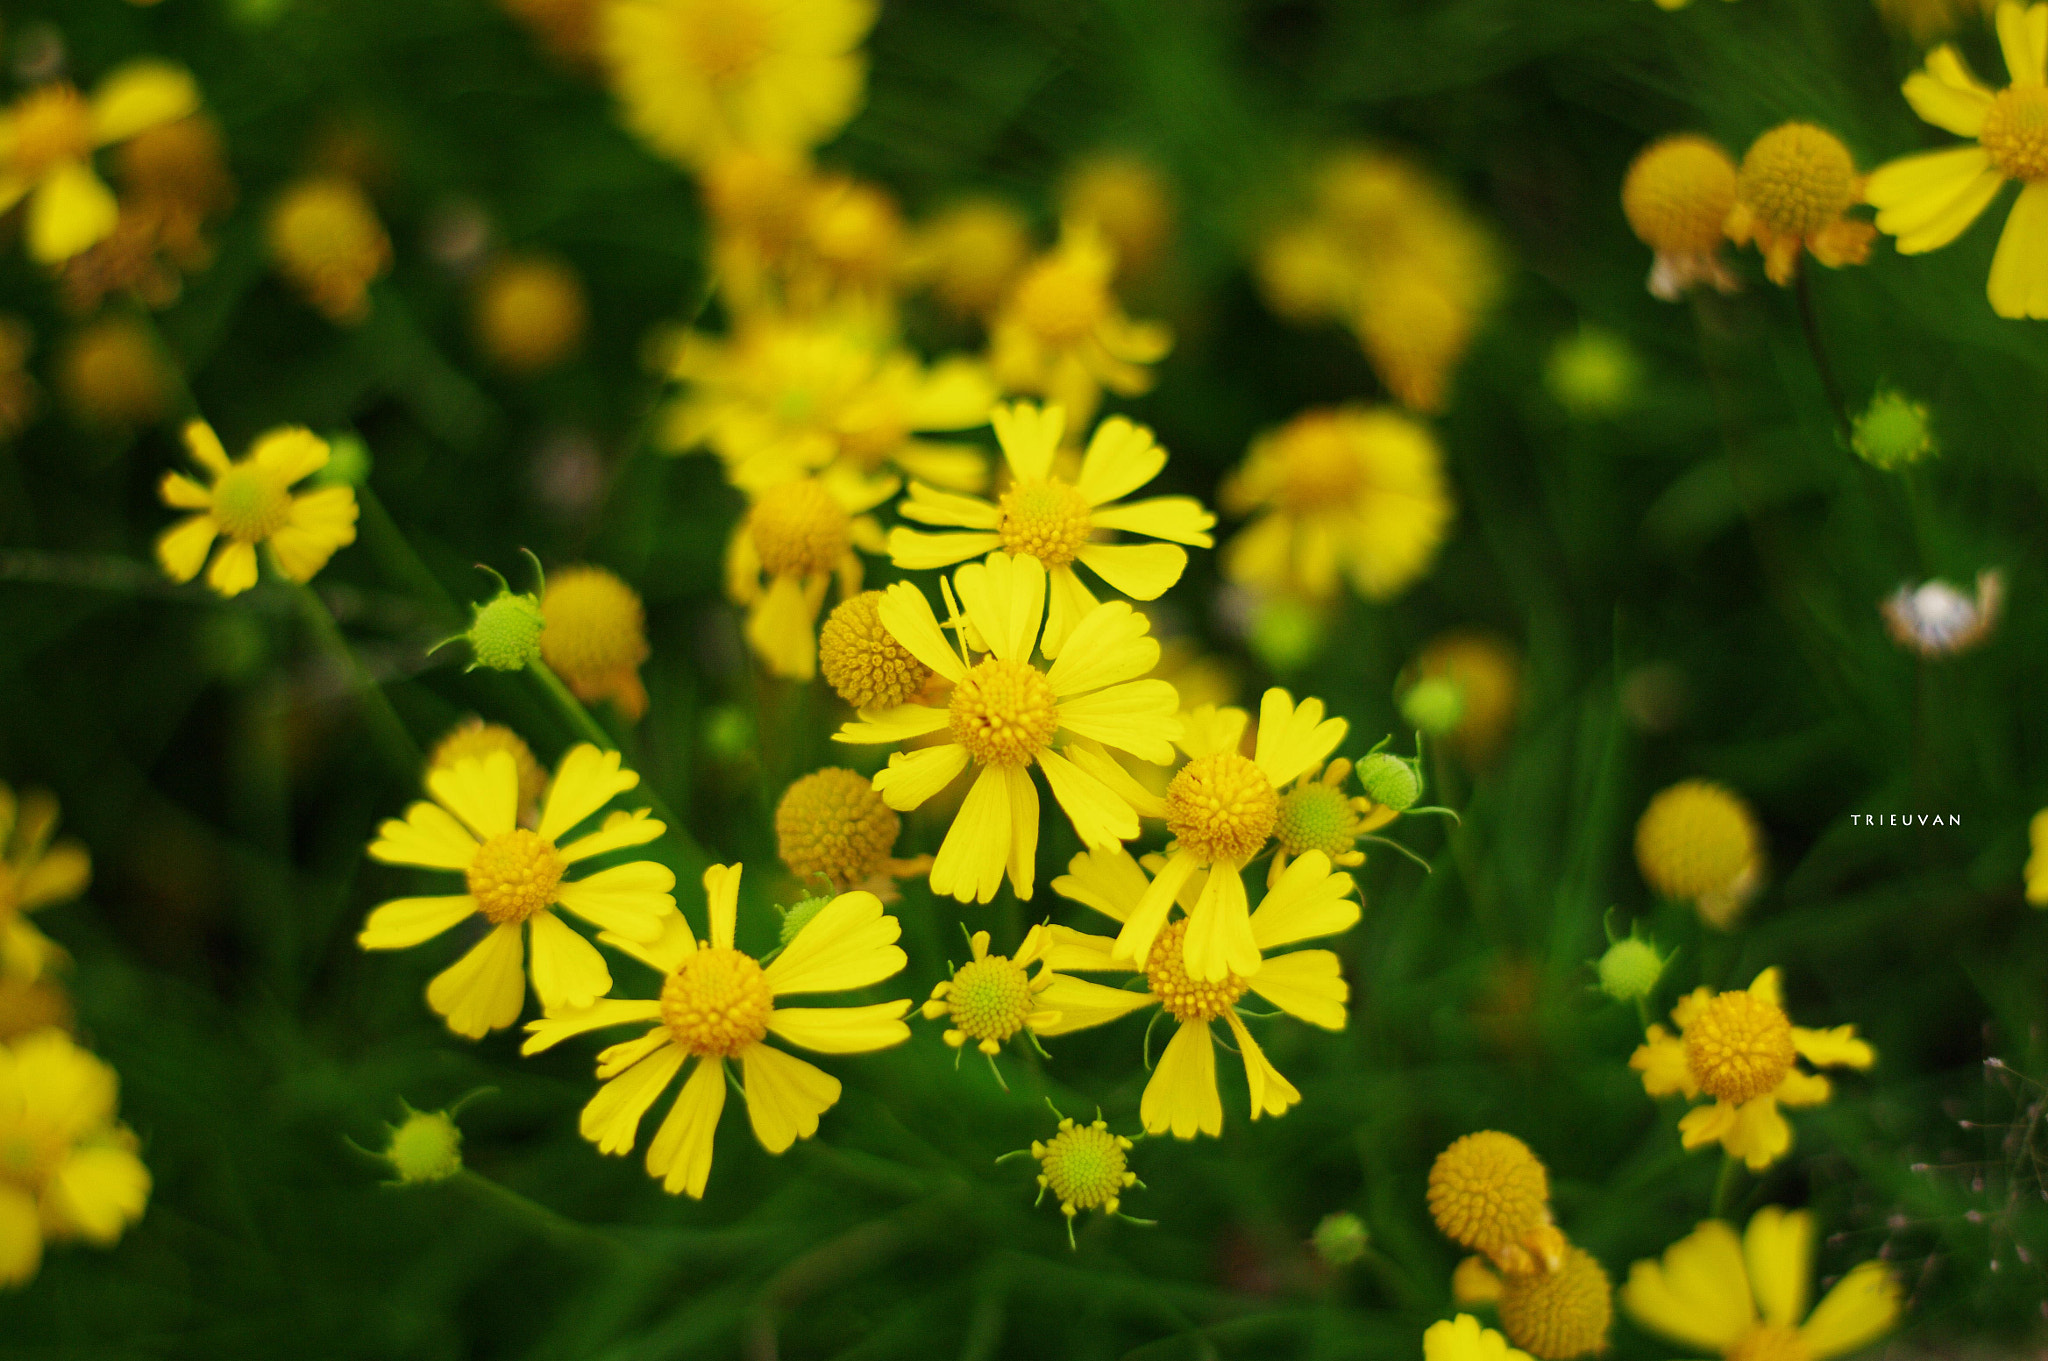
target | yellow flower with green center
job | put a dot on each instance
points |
(718, 1004)
(1927, 200)
(515, 876)
(47, 140)
(34, 872)
(1062, 335)
(1746, 1298)
(1221, 809)
(1309, 901)
(1462, 1339)
(797, 538)
(1045, 516)
(1741, 1049)
(1317, 815)
(251, 502)
(1086, 1167)
(1004, 713)
(992, 998)
(67, 1167)
(1795, 184)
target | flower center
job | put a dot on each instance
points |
(1084, 1166)
(514, 875)
(1061, 304)
(1319, 468)
(799, 530)
(863, 661)
(250, 504)
(1316, 817)
(1004, 712)
(1048, 520)
(723, 40)
(1770, 1342)
(1488, 1192)
(1739, 1047)
(1166, 974)
(2015, 132)
(832, 822)
(1798, 178)
(1222, 807)
(29, 1153)
(594, 623)
(51, 126)
(1562, 1314)
(990, 998)
(717, 1002)
(1677, 195)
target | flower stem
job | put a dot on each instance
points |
(537, 1216)
(1724, 1186)
(386, 728)
(1809, 322)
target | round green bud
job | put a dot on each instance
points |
(1340, 1239)
(505, 635)
(427, 1147)
(1390, 781)
(798, 915)
(729, 732)
(1592, 374)
(1286, 634)
(1892, 431)
(1435, 704)
(348, 462)
(1630, 969)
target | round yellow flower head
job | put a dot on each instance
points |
(596, 636)
(833, 823)
(1061, 298)
(1488, 1192)
(474, 739)
(251, 502)
(1697, 840)
(529, 313)
(325, 238)
(861, 659)
(1795, 183)
(110, 372)
(1340, 1239)
(425, 1147)
(1127, 200)
(1085, 1167)
(1222, 807)
(800, 529)
(854, 230)
(1739, 1046)
(970, 254)
(1562, 1314)
(991, 998)
(1677, 196)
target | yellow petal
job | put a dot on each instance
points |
(1022, 863)
(722, 903)
(139, 96)
(1462, 1339)
(1209, 729)
(181, 493)
(586, 780)
(1759, 1136)
(619, 830)
(1661, 1061)
(1098, 815)
(1699, 1294)
(21, 1236)
(893, 725)
(1182, 519)
(97, 1192)
(1912, 191)
(681, 1151)
(1271, 1094)
(182, 548)
(483, 990)
(1142, 571)
(550, 1031)
(321, 523)
(428, 836)
(61, 874)
(1836, 1048)
(1109, 643)
(405, 922)
(1004, 598)
(1768, 987)
(1292, 737)
(1219, 940)
(781, 626)
(1181, 1098)
(908, 616)
(2019, 269)
(1107, 879)
(1942, 104)
(234, 569)
(842, 1030)
(915, 552)
(1136, 716)
(483, 792)
(289, 453)
(68, 213)
(785, 1095)
(567, 970)
(1308, 901)
(1091, 757)
(911, 777)
(204, 445)
(2019, 41)
(851, 943)
(1068, 602)
(1142, 926)
(1778, 1251)
(1029, 435)
(1077, 1004)
(633, 901)
(930, 506)
(1121, 458)
(1860, 1309)
(1308, 985)
(970, 863)
(612, 1119)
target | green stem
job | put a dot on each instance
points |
(386, 728)
(535, 1215)
(1809, 322)
(1724, 1186)
(1643, 1011)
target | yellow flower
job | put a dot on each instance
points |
(1221, 809)
(1742, 1050)
(1462, 1339)
(1062, 334)
(698, 77)
(1338, 492)
(529, 313)
(832, 824)
(1003, 714)
(1746, 1299)
(325, 238)
(1487, 676)
(1697, 841)
(1562, 1314)
(473, 739)
(992, 998)
(48, 136)
(797, 538)
(1056, 520)
(1127, 199)
(717, 1004)
(1309, 901)
(595, 636)
(1086, 1168)
(111, 372)
(34, 873)
(1928, 199)
(1317, 815)
(970, 254)
(2037, 859)
(1795, 184)
(250, 503)
(861, 659)
(1677, 196)
(1488, 1192)
(69, 1169)
(514, 876)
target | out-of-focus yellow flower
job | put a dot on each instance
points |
(1338, 493)
(48, 136)
(718, 1005)
(1490, 1193)
(1925, 20)
(755, 198)
(27, 1006)
(1062, 335)
(1057, 520)
(529, 313)
(1747, 1298)
(853, 241)
(251, 502)
(515, 875)
(70, 1170)
(970, 254)
(1483, 675)
(326, 240)
(110, 372)
(1462, 1339)
(473, 739)
(698, 77)
(2036, 872)
(1003, 714)
(797, 538)
(595, 636)
(1677, 196)
(1699, 842)
(1792, 190)
(1559, 1315)
(34, 872)
(1128, 200)
(1742, 1050)
(1182, 1099)
(174, 179)
(831, 824)
(1927, 200)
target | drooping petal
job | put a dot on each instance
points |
(2019, 269)
(1778, 1251)
(69, 212)
(785, 1095)
(911, 777)
(1022, 864)
(1098, 815)
(483, 990)
(851, 943)
(1293, 738)
(1698, 1294)
(586, 780)
(1307, 984)
(1861, 1308)
(568, 972)
(550, 1031)
(1081, 1005)
(1108, 880)
(1308, 901)
(1142, 571)
(182, 549)
(1219, 940)
(619, 830)
(1182, 519)
(1271, 1093)
(681, 1151)
(1068, 602)
(1134, 942)
(428, 836)
(842, 1030)
(633, 900)
(1109, 643)
(969, 866)
(1090, 756)
(892, 725)
(1181, 1099)
(612, 1118)
(908, 616)
(21, 1235)
(482, 791)
(405, 922)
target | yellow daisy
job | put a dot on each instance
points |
(1062, 335)
(48, 136)
(515, 875)
(251, 502)
(1004, 713)
(992, 998)
(1338, 492)
(324, 237)
(33, 873)
(1792, 191)
(797, 538)
(1742, 1050)
(1222, 809)
(1747, 1297)
(1927, 200)
(1462, 1339)
(1181, 1099)
(70, 1169)
(697, 77)
(717, 1004)
(1056, 520)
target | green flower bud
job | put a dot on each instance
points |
(798, 915)
(1592, 374)
(348, 462)
(1286, 634)
(1340, 1239)
(729, 732)
(1390, 781)
(1893, 431)
(427, 1147)
(1630, 969)
(1435, 704)
(505, 634)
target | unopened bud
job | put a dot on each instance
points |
(1893, 431)
(1390, 781)
(427, 1147)
(1630, 969)
(1340, 1239)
